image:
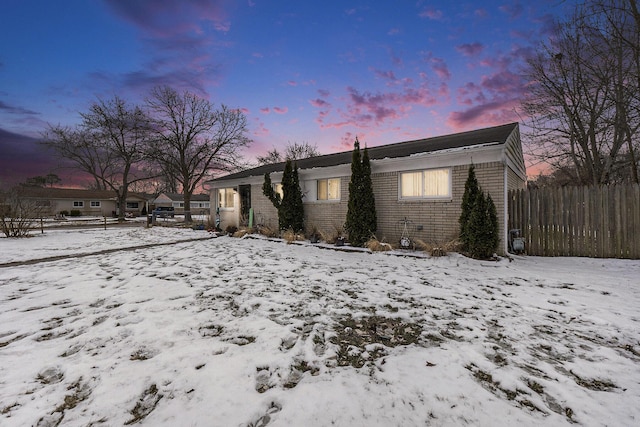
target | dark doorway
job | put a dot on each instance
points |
(245, 203)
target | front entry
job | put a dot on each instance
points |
(245, 203)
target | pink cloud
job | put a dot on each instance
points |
(488, 114)
(324, 93)
(438, 65)
(470, 49)
(280, 110)
(319, 103)
(386, 75)
(470, 94)
(346, 142)
(292, 83)
(503, 81)
(431, 14)
(366, 109)
(371, 107)
(496, 97)
(440, 68)
(167, 18)
(259, 128)
(265, 110)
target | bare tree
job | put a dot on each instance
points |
(583, 99)
(272, 156)
(42, 181)
(18, 213)
(293, 151)
(192, 139)
(109, 145)
(296, 151)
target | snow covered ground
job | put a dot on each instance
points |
(252, 332)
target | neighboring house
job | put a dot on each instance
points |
(199, 202)
(53, 201)
(418, 185)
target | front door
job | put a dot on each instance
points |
(245, 203)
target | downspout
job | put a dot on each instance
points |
(505, 207)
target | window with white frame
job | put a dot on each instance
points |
(426, 184)
(329, 189)
(78, 204)
(95, 203)
(225, 197)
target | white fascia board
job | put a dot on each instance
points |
(249, 180)
(326, 172)
(484, 153)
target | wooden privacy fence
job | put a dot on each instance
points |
(598, 222)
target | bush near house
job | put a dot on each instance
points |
(478, 221)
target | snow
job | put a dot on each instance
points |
(255, 332)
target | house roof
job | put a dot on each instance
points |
(73, 193)
(177, 197)
(496, 134)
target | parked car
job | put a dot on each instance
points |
(164, 212)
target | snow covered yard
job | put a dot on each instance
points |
(230, 332)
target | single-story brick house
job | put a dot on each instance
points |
(52, 201)
(199, 202)
(418, 185)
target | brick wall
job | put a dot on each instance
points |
(328, 216)
(264, 212)
(434, 221)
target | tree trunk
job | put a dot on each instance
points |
(187, 206)
(122, 204)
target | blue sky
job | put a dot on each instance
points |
(302, 71)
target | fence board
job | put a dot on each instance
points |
(599, 222)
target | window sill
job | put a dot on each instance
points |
(426, 199)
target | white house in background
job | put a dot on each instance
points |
(52, 201)
(199, 202)
(418, 185)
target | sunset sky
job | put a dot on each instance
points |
(321, 72)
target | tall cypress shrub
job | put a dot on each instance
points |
(476, 228)
(361, 221)
(493, 234)
(353, 214)
(368, 201)
(479, 231)
(483, 228)
(471, 191)
(296, 220)
(290, 207)
(285, 214)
